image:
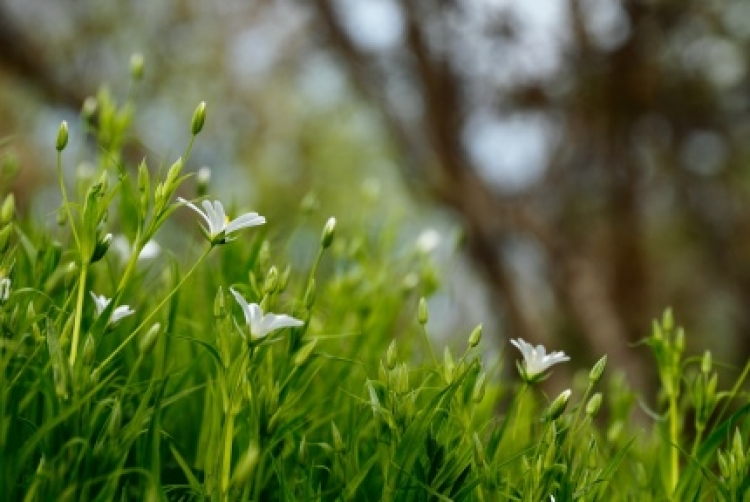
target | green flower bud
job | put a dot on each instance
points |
(101, 248)
(598, 370)
(477, 394)
(173, 174)
(5, 237)
(594, 404)
(391, 356)
(220, 310)
(89, 350)
(8, 210)
(199, 117)
(667, 320)
(62, 136)
(89, 109)
(148, 341)
(136, 66)
(245, 467)
(558, 406)
(402, 379)
(449, 365)
(328, 232)
(302, 453)
(115, 419)
(706, 363)
(338, 443)
(272, 281)
(475, 337)
(202, 180)
(305, 352)
(479, 454)
(423, 314)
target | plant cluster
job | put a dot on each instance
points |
(130, 376)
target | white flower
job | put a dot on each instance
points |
(536, 360)
(428, 241)
(219, 225)
(260, 325)
(101, 303)
(4, 289)
(124, 250)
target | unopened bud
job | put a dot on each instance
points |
(305, 352)
(328, 233)
(449, 365)
(202, 180)
(199, 117)
(136, 66)
(667, 320)
(706, 363)
(115, 419)
(8, 210)
(148, 341)
(475, 337)
(62, 136)
(423, 314)
(477, 394)
(89, 109)
(598, 370)
(338, 443)
(558, 406)
(5, 237)
(220, 310)
(101, 248)
(245, 467)
(173, 174)
(89, 350)
(594, 404)
(390, 355)
(272, 281)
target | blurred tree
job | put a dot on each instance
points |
(630, 189)
(640, 200)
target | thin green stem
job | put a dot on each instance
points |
(78, 314)
(189, 148)
(674, 454)
(227, 455)
(148, 318)
(66, 202)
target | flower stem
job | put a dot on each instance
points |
(79, 313)
(674, 455)
(227, 456)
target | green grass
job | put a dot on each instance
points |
(179, 400)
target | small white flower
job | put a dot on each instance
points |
(428, 241)
(536, 360)
(4, 289)
(101, 303)
(219, 225)
(124, 250)
(261, 325)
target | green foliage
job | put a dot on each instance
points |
(181, 395)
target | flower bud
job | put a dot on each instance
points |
(62, 136)
(202, 180)
(598, 370)
(8, 210)
(5, 237)
(667, 320)
(136, 66)
(173, 174)
(101, 248)
(449, 365)
(477, 394)
(390, 355)
(558, 406)
(115, 419)
(402, 379)
(594, 404)
(4, 289)
(328, 232)
(199, 117)
(245, 467)
(89, 350)
(305, 352)
(272, 281)
(475, 337)
(706, 363)
(148, 341)
(220, 310)
(423, 314)
(338, 443)
(89, 109)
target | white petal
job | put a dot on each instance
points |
(272, 322)
(120, 312)
(244, 221)
(195, 208)
(243, 304)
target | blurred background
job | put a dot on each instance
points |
(587, 160)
